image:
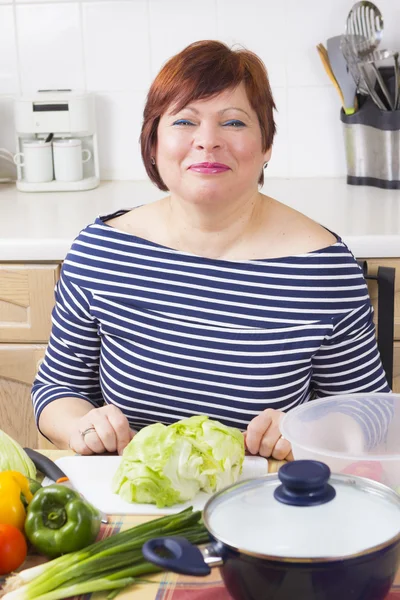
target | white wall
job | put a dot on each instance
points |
(114, 48)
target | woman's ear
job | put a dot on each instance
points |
(153, 159)
(267, 155)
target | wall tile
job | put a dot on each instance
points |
(173, 26)
(315, 133)
(41, 1)
(116, 45)
(310, 22)
(119, 119)
(8, 56)
(260, 27)
(7, 124)
(49, 38)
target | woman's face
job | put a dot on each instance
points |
(210, 150)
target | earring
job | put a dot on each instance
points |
(153, 160)
(265, 165)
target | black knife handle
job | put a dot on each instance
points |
(45, 465)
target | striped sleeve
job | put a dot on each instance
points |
(71, 364)
(349, 363)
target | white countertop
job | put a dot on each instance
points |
(42, 226)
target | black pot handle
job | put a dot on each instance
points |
(182, 556)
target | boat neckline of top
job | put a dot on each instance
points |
(102, 220)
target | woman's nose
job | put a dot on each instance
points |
(207, 138)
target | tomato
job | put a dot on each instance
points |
(13, 548)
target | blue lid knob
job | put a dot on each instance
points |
(304, 483)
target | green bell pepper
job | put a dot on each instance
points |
(59, 520)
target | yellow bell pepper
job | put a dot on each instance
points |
(12, 509)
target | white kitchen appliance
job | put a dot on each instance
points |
(58, 114)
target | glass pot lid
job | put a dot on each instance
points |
(304, 512)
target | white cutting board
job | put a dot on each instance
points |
(92, 476)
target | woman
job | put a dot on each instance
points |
(215, 299)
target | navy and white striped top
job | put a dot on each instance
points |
(165, 334)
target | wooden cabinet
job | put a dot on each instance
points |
(18, 366)
(26, 302)
(373, 264)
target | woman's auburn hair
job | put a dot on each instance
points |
(202, 70)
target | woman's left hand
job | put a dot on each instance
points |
(263, 436)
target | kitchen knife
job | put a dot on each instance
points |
(49, 468)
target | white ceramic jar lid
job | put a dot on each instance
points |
(304, 513)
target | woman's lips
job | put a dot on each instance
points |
(209, 168)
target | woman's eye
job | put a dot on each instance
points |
(182, 122)
(234, 123)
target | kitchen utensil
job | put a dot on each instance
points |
(92, 477)
(396, 81)
(301, 534)
(365, 20)
(359, 71)
(378, 56)
(325, 61)
(382, 85)
(352, 61)
(49, 468)
(365, 26)
(370, 86)
(342, 75)
(336, 430)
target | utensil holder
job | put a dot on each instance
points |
(372, 146)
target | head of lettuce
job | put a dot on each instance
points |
(164, 465)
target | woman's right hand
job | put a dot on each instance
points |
(100, 430)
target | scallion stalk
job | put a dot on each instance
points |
(97, 585)
(114, 559)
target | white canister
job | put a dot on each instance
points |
(36, 161)
(69, 158)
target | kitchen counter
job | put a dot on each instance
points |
(42, 226)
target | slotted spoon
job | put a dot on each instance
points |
(366, 22)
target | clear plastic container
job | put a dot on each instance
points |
(357, 434)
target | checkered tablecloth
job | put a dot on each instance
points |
(169, 586)
(165, 586)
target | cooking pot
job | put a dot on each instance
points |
(301, 534)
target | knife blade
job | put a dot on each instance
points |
(49, 468)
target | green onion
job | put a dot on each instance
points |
(110, 564)
(99, 585)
